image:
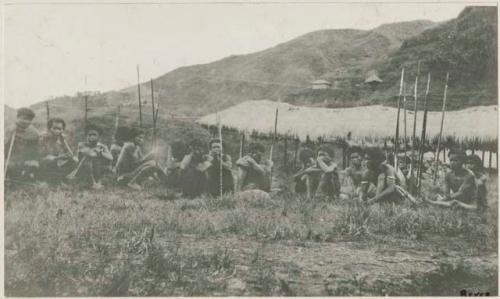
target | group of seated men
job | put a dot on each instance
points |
(194, 170)
(373, 178)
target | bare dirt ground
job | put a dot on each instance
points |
(128, 243)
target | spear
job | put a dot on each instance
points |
(139, 97)
(274, 139)
(404, 117)
(415, 92)
(396, 141)
(242, 144)
(9, 153)
(219, 129)
(48, 110)
(441, 130)
(154, 112)
(422, 138)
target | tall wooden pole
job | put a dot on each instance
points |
(242, 144)
(404, 119)
(274, 140)
(413, 138)
(86, 110)
(48, 110)
(422, 138)
(285, 153)
(219, 129)
(139, 97)
(396, 139)
(441, 129)
(154, 112)
(296, 152)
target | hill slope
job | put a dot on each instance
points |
(464, 46)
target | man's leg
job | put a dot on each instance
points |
(241, 177)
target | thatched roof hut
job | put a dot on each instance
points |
(361, 123)
(373, 79)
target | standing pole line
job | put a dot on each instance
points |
(422, 138)
(441, 130)
(414, 138)
(139, 97)
(86, 110)
(242, 144)
(296, 153)
(219, 129)
(404, 119)
(274, 140)
(396, 139)
(48, 110)
(9, 153)
(117, 118)
(154, 112)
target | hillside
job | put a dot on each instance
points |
(275, 72)
(465, 46)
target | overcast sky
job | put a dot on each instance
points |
(57, 49)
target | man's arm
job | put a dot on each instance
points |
(126, 149)
(390, 179)
(325, 167)
(105, 153)
(240, 178)
(185, 161)
(465, 188)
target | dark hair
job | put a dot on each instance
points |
(457, 152)
(355, 149)
(375, 158)
(215, 140)
(56, 120)
(196, 142)
(92, 127)
(179, 149)
(475, 160)
(306, 154)
(256, 147)
(326, 148)
(26, 112)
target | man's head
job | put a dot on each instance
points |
(255, 150)
(215, 146)
(356, 156)
(474, 163)
(56, 126)
(457, 159)
(93, 133)
(305, 155)
(24, 117)
(325, 151)
(136, 136)
(375, 157)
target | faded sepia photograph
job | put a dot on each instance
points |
(161, 149)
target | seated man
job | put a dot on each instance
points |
(94, 158)
(389, 186)
(355, 170)
(219, 174)
(475, 165)
(329, 182)
(193, 167)
(22, 148)
(118, 141)
(56, 157)
(459, 184)
(307, 178)
(132, 166)
(254, 171)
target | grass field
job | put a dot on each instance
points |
(130, 243)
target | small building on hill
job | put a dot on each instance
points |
(321, 84)
(373, 81)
